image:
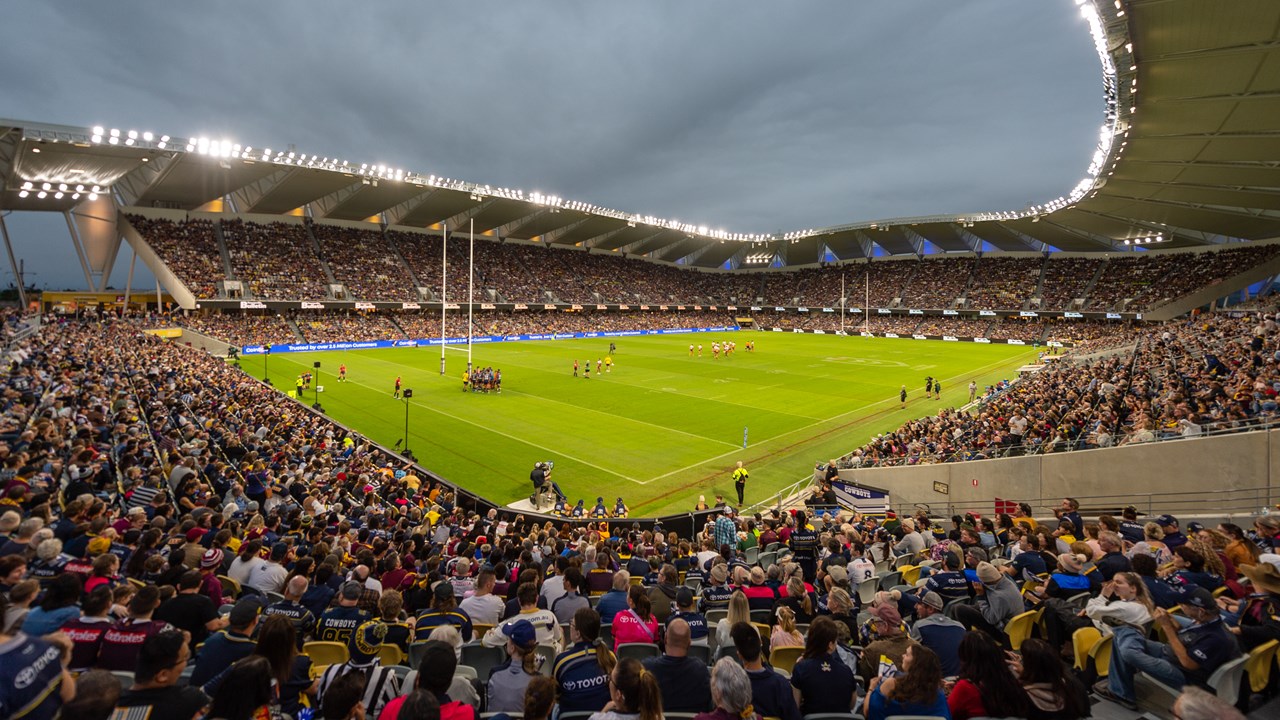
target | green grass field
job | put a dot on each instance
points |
(662, 427)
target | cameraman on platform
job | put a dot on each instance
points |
(541, 475)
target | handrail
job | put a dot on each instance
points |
(1251, 501)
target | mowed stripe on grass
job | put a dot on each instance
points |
(660, 428)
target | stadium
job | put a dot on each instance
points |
(501, 451)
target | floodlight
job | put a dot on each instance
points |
(46, 186)
(97, 130)
(42, 194)
(133, 134)
(23, 194)
(57, 196)
(147, 136)
(93, 196)
(115, 133)
(26, 185)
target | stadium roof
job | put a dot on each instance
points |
(1189, 154)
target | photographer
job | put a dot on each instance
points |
(541, 475)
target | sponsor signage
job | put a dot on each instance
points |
(575, 306)
(487, 306)
(802, 309)
(884, 311)
(1028, 313)
(1014, 342)
(986, 313)
(951, 338)
(1137, 316)
(312, 305)
(447, 306)
(819, 332)
(712, 307)
(601, 307)
(624, 307)
(779, 309)
(915, 312)
(982, 340)
(777, 329)
(861, 498)
(864, 333)
(369, 306)
(678, 307)
(828, 309)
(796, 330)
(373, 344)
(892, 335)
(919, 337)
(406, 343)
(950, 312)
(697, 307)
(1054, 343)
(941, 488)
(410, 306)
(520, 306)
(1113, 316)
(756, 308)
(730, 308)
(252, 305)
(644, 307)
(662, 307)
(548, 306)
(1070, 314)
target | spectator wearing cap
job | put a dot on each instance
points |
(1173, 537)
(210, 585)
(1130, 528)
(939, 633)
(337, 624)
(1192, 654)
(225, 647)
(716, 595)
(270, 576)
(725, 529)
(191, 611)
(444, 610)
(507, 682)
(381, 684)
(686, 612)
(997, 600)
(912, 542)
(1268, 528)
(1257, 614)
(951, 583)
(891, 641)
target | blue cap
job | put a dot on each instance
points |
(520, 632)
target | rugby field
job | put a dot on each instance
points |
(662, 427)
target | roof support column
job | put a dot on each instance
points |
(13, 263)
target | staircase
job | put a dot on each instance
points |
(297, 331)
(224, 252)
(1102, 267)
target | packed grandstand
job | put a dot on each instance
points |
(181, 540)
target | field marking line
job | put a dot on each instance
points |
(622, 417)
(727, 402)
(506, 435)
(820, 422)
(600, 412)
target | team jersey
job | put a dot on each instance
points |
(86, 635)
(584, 685)
(337, 624)
(303, 620)
(433, 619)
(122, 641)
(30, 675)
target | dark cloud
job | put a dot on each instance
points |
(746, 116)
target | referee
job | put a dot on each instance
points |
(740, 476)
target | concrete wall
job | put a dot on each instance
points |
(1206, 295)
(177, 289)
(1224, 474)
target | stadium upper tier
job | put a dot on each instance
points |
(316, 261)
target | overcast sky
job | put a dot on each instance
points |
(747, 116)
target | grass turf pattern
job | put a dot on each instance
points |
(662, 427)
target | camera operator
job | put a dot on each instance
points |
(541, 475)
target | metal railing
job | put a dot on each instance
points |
(1249, 502)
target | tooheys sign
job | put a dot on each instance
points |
(860, 497)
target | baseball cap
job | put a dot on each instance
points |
(194, 534)
(1166, 520)
(932, 599)
(684, 597)
(351, 590)
(520, 632)
(244, 612)
(1198, 597)
(1194, 527)
(443, 591)
(838, 574)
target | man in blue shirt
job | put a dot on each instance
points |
(1028, 563)
(225, 647)
(1173, 537)
(950, 584)
(770, 692)
(1191, 656)
(696, 621)
(614, 601)
(1070, 510)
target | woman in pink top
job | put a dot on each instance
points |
(635, 624)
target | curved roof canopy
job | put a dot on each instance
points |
(1188, 154)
